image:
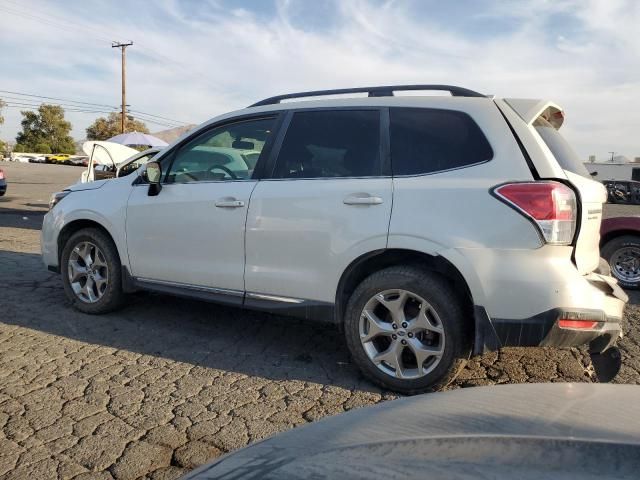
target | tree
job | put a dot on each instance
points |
(45, 131)
(105, 128)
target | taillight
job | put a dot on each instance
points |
(549, 205)
(1, 175)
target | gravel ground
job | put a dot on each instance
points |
(167, 384)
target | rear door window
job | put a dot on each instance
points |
(330, 144)
(425, 140)
(562, 151)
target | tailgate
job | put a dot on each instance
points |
(592, 194)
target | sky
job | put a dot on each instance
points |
(194, 59)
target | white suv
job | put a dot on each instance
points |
(428, 227)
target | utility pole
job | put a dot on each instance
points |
(612, 154)
(123, 47)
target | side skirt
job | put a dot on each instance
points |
(294, 307)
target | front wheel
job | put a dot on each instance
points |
(405, 330)
(91, 272)
(623, 255)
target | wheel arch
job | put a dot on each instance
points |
(76, 225)
(371, 262)
(607, 237)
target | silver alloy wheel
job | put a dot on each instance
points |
(625, 263)
(88, 272)
(402, 334)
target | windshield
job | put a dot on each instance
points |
(562, 151)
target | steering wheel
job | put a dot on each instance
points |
(225, 170)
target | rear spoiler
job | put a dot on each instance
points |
(530, 109)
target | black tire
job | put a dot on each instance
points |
(113, 296)
(611, 247)
(437, 291)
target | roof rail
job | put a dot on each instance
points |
(385, 91)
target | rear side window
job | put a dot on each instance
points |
(566, 157)
(427, 140)
(334, 143)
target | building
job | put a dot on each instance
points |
(621, 168)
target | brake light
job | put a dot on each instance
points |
(551, 206)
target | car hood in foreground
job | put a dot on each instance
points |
(511, 431)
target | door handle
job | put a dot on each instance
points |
(229, 202)
(362, 199)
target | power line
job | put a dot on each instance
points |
(27, 106)
(56, 98)
(142, 116)
(10, 99)
(158, 116)
(68, 102)
(155, 122)
(35, 106)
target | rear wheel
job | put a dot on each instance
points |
(405, 330)
(623, 255)
(91, 272)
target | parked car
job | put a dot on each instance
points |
(3, 183)
(109, 160)
(38, 159)
(59, 158)
(620, 247)
(499, 432)
(623, 191)
(77, 161)
(492, 241)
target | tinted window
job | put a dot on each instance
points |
(562, 151)
(428, 140)
(229, 152)
(331, 144)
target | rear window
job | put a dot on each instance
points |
(334, 143)
(427, 140)
(566, 157)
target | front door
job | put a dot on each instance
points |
(192, 233)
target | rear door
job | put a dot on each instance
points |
(327, 202)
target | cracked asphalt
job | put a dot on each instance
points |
(167, 384)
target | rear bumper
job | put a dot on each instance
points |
(543, 330)
(520, 295)
(595, 297)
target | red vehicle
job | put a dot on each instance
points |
(3, 183)
(620, 246)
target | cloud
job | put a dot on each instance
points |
(194, 60)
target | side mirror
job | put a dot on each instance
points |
(153, 173)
